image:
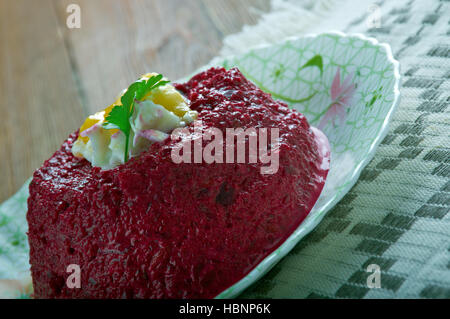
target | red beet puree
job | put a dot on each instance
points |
(151, 228)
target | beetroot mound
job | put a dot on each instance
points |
(151, 228)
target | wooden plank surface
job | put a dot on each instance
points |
(52, 77)
(39, 102)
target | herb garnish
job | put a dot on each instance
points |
(119, 117)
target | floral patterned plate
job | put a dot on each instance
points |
(346, 85)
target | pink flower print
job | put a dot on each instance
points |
(341, 96)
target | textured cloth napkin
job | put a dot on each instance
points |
(396, 216)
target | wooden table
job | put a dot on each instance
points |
(52, 77)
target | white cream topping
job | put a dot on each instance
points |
(150, 123)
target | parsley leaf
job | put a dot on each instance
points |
(119, 117)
